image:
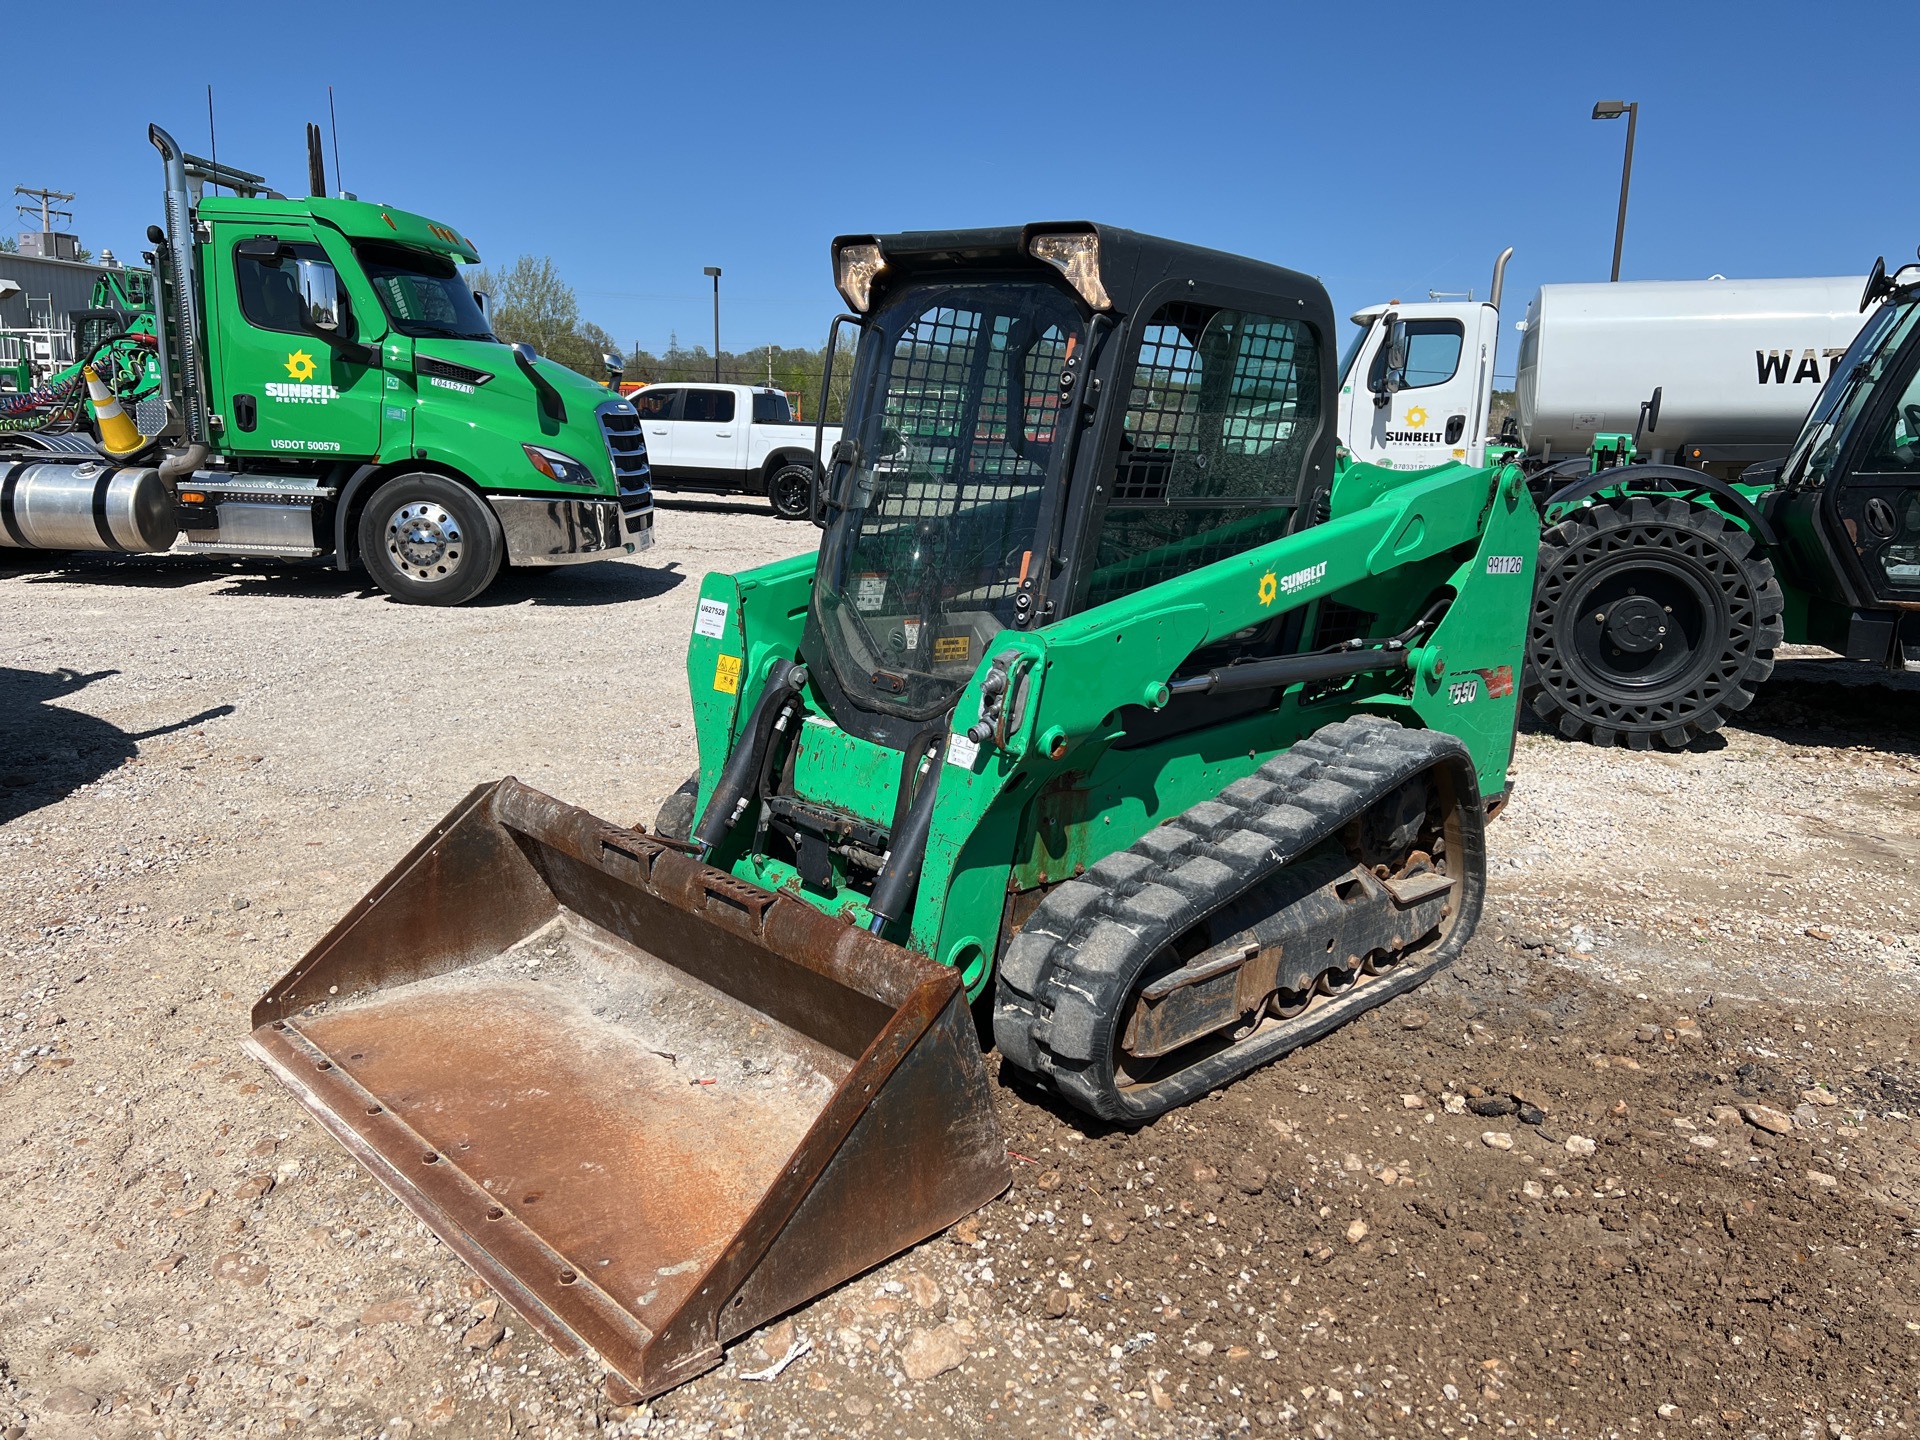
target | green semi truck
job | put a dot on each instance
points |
(313, 379)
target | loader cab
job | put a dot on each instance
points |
(1039, 421)
(1431, 406)
(1849, 501)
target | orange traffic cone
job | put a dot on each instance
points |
(118, 433)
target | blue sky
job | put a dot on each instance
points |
(1389, 149)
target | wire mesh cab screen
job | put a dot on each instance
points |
(954, 421)
(1223, 409)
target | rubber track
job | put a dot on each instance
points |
(1064, 979)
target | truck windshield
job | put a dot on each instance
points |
(952, 427)
(1840, 404)
(423, 293)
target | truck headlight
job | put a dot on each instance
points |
(555, 466)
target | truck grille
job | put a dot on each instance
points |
(627, 447)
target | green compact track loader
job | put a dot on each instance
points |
(1118, 713)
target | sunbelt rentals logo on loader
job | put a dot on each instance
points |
(299, 389)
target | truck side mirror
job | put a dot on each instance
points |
(1393, 357)
(1397, 356)
(1649, 414)
(480, 299)
(616, 367)
(322, 305)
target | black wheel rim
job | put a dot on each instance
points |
(1642, 623)
(791, 492)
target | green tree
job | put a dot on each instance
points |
(534, 306)
(9, 245)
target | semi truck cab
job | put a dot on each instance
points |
(1425, 402)
(330, 387)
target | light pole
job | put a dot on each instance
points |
(714, 271)
(1613, 110)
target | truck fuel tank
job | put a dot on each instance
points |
(84, 504)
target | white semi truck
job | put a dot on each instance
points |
(1738, 364)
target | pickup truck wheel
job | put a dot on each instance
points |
(428, 540)
(790, 488)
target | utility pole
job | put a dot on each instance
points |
(714, 272)
(1613, 110)
(46, 198)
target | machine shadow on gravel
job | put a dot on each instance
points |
(49, 750)
(1814, 702)
(600, 583)
(1838, 703)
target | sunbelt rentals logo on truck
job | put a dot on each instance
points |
(301, 390)
(1416, 432)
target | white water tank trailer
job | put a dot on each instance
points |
(1738, 363)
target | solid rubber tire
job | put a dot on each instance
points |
(1683, 545)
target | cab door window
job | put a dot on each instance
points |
(1897, 446)
(1880, 500)
(656, 404)
(1220, 422)
(708, 407)
(1433, 354)
(269, 290)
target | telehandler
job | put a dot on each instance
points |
(1116, 703)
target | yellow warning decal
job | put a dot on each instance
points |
(726, 675)
(952, 647)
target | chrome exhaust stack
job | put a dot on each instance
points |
(180, 262)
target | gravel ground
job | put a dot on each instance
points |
(1645, 1163)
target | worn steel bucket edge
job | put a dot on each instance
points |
(907, 1144)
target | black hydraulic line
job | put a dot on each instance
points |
(732, 795)
(1282, 670)
(1355, 657)
(910, 759)
(900, 870)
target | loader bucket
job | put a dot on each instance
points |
(652, 1105)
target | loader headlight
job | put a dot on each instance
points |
(855, 264)
(555, 466)
(1075, 255)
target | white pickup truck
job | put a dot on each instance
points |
(730, 439)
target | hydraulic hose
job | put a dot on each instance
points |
(735, 790)
(900, 870)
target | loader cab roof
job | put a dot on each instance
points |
(1131, 266)
(356, 219)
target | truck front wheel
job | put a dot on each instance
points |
(790, 488)
(428, 540)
